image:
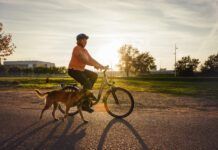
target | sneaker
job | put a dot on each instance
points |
(88, 109)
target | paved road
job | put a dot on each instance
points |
(145, 128)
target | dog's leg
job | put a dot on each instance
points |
(45, 108)
(47, 105)
(55, 105)
(66, 114)
(79, 107)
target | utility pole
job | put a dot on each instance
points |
(175, 59)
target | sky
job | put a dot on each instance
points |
(46, 29)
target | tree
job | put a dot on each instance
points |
(41, 70)
(6, 45)
(62, 70)
(210, 65)
(51, 70)
(186, 66)
(14, 70)
(3, 70)
(27, 71)
(143, 63)
(127, 55)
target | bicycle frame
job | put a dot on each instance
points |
(104, 83)
(112, 90)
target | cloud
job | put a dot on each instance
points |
(154, 25)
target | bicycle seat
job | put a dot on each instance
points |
(72, 84)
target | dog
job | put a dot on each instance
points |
(69, 99)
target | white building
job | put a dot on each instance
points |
(28, 64)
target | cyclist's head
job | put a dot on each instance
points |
(82, 39)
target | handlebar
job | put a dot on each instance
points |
(105, 76)
(105, 68)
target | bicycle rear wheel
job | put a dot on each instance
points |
(72, 112)
(119, 103)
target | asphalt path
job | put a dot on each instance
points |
(179, 126)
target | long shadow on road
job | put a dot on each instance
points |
(13, 142)
(127, 124)
(68, 140)
(49, 136)
(17, 134)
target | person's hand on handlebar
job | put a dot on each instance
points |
(106, 67)
(101, 67)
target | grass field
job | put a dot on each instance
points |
(193, 86)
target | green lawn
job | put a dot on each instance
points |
(196, 87)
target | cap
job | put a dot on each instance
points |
(81, 36)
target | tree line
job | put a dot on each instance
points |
(133, 61)
(187, 66)
(5, 70)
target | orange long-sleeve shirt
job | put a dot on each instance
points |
(80, 58)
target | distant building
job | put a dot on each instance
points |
(163, 71)
(28, 64)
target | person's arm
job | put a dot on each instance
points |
(93, 62)
(96, 64)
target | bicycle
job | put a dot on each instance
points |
(118, 101)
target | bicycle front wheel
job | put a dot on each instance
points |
(119, 103)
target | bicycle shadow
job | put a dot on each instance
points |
(127, 124)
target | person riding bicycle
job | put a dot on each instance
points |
(76, 69)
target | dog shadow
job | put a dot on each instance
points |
(12, 137)
(68, 140)
(17, 139)
(128, 125)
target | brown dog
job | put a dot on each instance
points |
(70, 99)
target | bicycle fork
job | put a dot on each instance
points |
(112, 90)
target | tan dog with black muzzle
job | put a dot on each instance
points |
(70, 99)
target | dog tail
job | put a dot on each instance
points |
(41, 95)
